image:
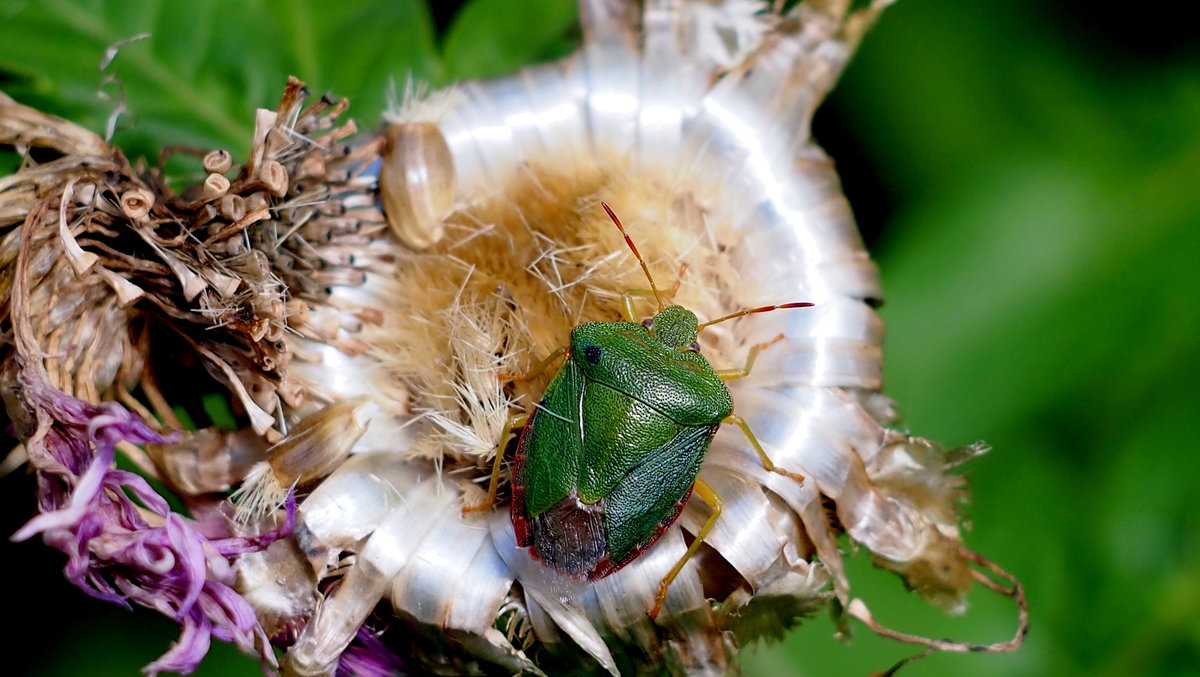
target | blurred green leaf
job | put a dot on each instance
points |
(124, 641)
(359, 49)
(1041, 279)
(496, 37)
(207, 65)
(216, 406)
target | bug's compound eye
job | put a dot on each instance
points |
(693, 347)
(648, 323)
(592, 354)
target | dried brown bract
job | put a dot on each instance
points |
(216, 272)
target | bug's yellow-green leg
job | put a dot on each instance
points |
(627, 297)
(705, 491)
(537, 368)
(762, 454)
(514, 422)
(731, 374)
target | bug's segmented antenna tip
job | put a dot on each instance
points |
(632, 247)
(751, 311)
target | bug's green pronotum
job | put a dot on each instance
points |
(609, 457)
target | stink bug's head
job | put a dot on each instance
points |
(676, 327)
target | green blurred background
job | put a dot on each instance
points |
(1026, 174)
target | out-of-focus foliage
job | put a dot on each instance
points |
(1041, 263)
(1026, 175)
(489, 38)
(205, 66)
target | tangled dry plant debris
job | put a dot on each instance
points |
(224, 269)
(120, 289)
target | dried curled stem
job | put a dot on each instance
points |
(858, 609)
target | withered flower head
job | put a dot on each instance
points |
(372, 307)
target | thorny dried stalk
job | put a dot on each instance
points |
(338, 334)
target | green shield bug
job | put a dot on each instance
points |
(607, 460)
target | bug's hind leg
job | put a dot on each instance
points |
(514, 422)
(709, 495)
(758, 448)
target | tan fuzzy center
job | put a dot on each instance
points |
(516, 271)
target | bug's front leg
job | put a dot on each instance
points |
(537, 368)
(731, 374)
(514, 422)
(758, 448)
(627, 297)
(709, 495)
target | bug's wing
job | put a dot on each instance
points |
(548, 459)
(620, 432)
(649, 498)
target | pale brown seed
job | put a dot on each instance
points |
(233, 207)
(256, 201)
(82, 261)
(226, 285)
(417, 182)
(318, 444)
(127, 292)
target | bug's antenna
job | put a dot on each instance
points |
(749, 311)
(632, 246)
(679, 279)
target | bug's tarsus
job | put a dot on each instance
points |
(767, 463)
(645, 269)
(514, 423)
(710, 496)
(751, 311)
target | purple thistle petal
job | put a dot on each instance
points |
(78, 503)
(140, 489)
(90, 512)
(230, 547)
(239, 624)
(191, 559)
(187, 651)
(368, 656)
